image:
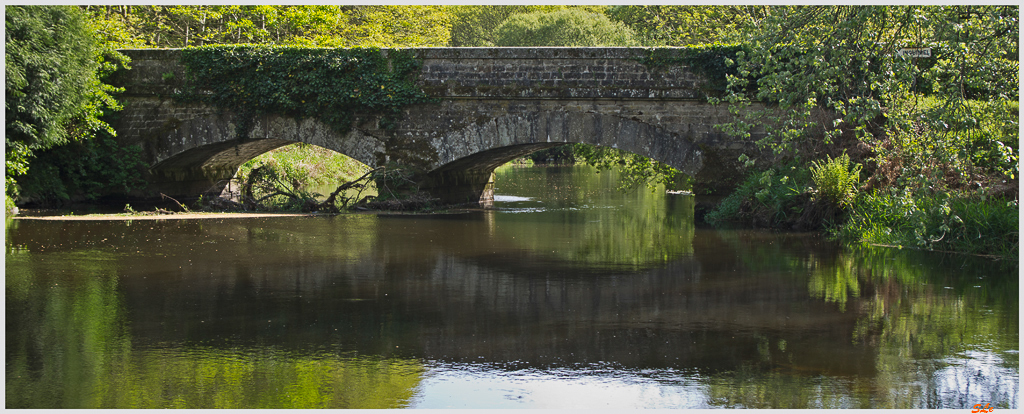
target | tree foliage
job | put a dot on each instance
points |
(843, 62)
(476, 26)
(310, 25)
(635, 170)
(671, 25)
(54, 92)
(566, 27)
(938, 134)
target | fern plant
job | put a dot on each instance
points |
(835, 179)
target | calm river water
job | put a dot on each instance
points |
(568, 294)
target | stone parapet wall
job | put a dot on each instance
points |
(508, 73)
(553, 73)
(154, 72)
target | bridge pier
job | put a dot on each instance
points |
(460, 187)
(189, 184)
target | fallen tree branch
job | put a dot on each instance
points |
(165, 197)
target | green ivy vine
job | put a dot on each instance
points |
(330, 84)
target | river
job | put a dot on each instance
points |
(567, 294)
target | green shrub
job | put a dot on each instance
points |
(729, 208)
(993, 137)
(776, 197)
(835, 181)
(87, 169)
(952, 144)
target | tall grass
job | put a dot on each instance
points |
(934, 221)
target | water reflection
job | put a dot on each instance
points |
(588, 299)
(597, 386)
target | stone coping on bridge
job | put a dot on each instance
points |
(490, 72)
(546, 52)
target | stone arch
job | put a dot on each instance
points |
(468, 156)
(203, 153)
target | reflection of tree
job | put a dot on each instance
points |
(921, 315)
(943, 332)
(753, 388)
(647, 231)
(302, 238)
(62, 324)
(68, 347)
(259, 378)
(834, 283)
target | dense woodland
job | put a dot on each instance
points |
(918, 151)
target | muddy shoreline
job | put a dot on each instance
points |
(174, 216)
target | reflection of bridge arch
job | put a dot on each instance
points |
(493, 105)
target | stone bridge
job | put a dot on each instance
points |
(494, 105)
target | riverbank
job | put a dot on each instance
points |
(149, 215)
(172, 216)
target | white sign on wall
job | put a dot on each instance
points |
(915, 52)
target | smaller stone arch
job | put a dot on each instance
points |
(205, 153)
(468, 156)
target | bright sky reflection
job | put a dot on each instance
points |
(452, 386)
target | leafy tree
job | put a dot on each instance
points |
(317, 25)
(476, 26)
(667, 25)
(181, 26)
(938, 135)
(567, 27)
(844, 60)
(53, 87)
(398, 26)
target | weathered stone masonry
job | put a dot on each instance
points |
(495, 104)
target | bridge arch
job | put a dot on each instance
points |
(199, 155)
(460, 160)
(480, 145)
(468, 156)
